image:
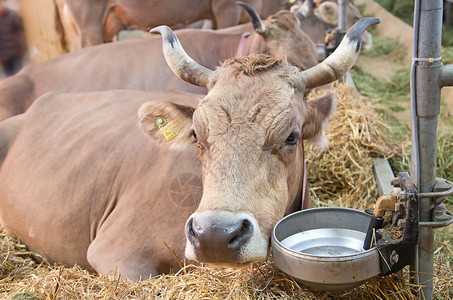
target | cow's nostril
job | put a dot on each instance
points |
(243, 234)
(190, 232)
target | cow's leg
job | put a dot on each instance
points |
(112, 26)
(108, 254)
(89, 18)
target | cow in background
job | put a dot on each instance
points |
(79, 182)
(99, 21)
(138, 64)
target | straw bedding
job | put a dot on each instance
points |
(341, 176)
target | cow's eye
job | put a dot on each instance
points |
(292, 139)
(193, 135)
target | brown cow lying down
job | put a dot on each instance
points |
(81, 183)
(139, 64)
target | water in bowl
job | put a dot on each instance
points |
(326, 242)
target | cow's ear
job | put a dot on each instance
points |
(318, 114)
(167, 123)
(329, 13)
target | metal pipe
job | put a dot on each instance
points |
(343, 14)
(415, 166)
(447, 14)
(311, 5)
(425, 87)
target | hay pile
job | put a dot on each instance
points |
(257, 281)
(31, 281)
(341, 176)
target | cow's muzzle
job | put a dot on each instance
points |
(218, 237)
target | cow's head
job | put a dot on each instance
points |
(280, 36)
(249, 131)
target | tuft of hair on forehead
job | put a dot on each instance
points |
(253, 64)
(284, 19)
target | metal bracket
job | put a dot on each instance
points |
(442, 189)
(395, 253)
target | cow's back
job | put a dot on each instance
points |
(136, 64)
(80, 166)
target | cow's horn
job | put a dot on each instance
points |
(179, 61)
(342, 59)
(258, 24)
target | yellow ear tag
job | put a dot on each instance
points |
(168, 130)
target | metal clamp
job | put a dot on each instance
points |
(439, 224)
(442, 188)
(427, 59)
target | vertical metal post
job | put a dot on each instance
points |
(311, 5)
(447, 11)
(342, 28)
(424, 142)
(343, 14)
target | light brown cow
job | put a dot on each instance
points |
(139, 65)
(80, 184)
(245, 167)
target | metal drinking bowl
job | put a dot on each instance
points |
(323, 248)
